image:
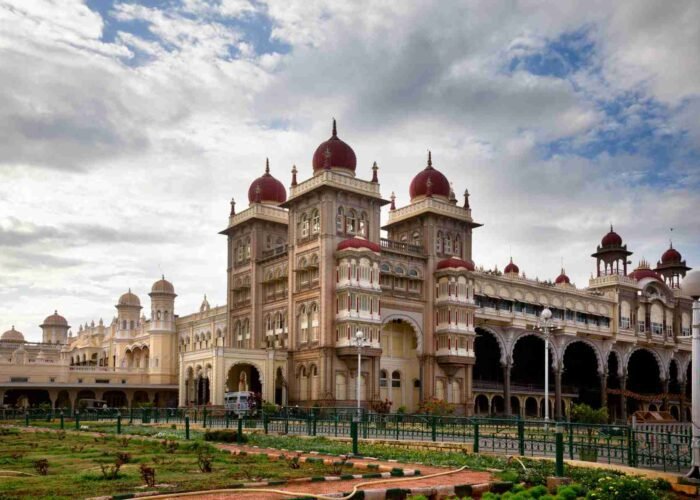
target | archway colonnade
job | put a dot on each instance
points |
(71, 397)
(621, 377)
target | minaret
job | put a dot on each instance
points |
(163, 338)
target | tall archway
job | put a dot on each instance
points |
(643, 376)
(481, 405)
(580, 373)
(244, 377)
(528, 364)
(115, 399)
(487, 368)
(399, 361)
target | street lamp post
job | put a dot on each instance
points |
(691, 286)
(546, 325)
(360, 342)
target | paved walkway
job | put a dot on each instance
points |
(339, 486)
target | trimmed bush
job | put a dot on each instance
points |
(224, 436)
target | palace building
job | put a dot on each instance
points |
(310, 266)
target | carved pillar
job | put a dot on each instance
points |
(557, 394)
(468, 393)
(506, 388)
(664, 398)
(681, 410)
(604, 389)
(623, 398)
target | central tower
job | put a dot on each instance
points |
(334, 224)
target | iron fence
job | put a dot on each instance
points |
(658, 446)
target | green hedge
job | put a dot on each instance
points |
(224, 436)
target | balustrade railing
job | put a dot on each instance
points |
(400, 246)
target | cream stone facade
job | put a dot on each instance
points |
(308, 270)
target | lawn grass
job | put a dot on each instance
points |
(74, 466)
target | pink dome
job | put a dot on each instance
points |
(429, 182)
(334, 153)
(358, 243)
(267, 189)
(455, 263)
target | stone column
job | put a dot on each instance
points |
(664, 398)
(604, 389)
(681, 406)
(557, 394)
(623, 398)
(468, 393)
(506, 388)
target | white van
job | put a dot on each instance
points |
(241, 403)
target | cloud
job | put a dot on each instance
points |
(126, 127)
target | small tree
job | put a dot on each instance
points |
(584, 414)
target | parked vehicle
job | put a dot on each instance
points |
(91, 404)
(240, 403)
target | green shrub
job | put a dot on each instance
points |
(224, 436)
(623, 488)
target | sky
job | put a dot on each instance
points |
(126, 127)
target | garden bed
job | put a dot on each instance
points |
(81, 465)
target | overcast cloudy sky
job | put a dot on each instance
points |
(126, 128)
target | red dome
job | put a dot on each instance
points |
(357, 242)
(640, 274)
(511, 268)
(671, 256)
(562, 278)
(612, 239)
(439, 185)
(267, 189)
(455, 263)
(334, 153)
(644, 271)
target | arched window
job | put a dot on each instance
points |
(158, 315)
(123, 324)
(166, 316)
(457, 246)
(131, 324)
(351, 222)
(415, 237)
(385, 268)
(340, 221)
(382, 378)
(268, 241)
(314, 322)
(448, 244)
(304, 226)
(438, 242)
(363, 227)
(303, 325)
(314, 267)
(315, 222)
(396, 378)
(247, 248)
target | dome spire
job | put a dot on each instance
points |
(267, 166)
(335, 129)
(430, 160)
